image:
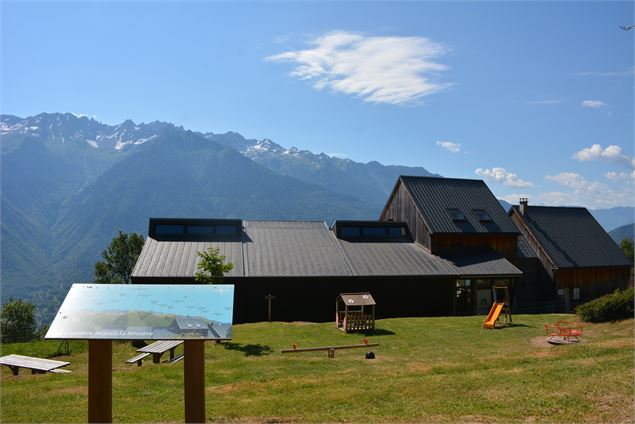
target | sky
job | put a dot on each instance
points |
(536, 98)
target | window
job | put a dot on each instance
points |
(349, 231)
(225, 230)
(373, 231)
(481, 215)
(576, 293)
(200, 230)
(456, 215)
(169, 229)
(395, 231)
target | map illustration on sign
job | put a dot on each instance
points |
(145, 311)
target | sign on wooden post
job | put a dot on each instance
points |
(101, 313)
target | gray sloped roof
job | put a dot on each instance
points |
(524, 249)
(481, 262)
(572, 238)
(180, 259)
(393, 258)
(434, 196)
(306, 249)
(292, 248)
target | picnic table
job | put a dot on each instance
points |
(158, 348)
(36, 365)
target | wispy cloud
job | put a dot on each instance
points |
(378, 69)
(500, 175)
(620, 176)
(581, 191)
(449, 146)
(593, 104)
(546, 102)
(611, 153)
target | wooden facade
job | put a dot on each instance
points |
(401, 207)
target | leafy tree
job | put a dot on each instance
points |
(17, 321)
(119, 259)
(627, 247)
(212, 267)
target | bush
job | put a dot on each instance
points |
(612, 307)
(18, 321)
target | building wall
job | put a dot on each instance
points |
(313, 299)
(505, 244)
(402, 208)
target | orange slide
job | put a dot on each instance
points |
(493, 315)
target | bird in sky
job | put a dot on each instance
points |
(626, 27)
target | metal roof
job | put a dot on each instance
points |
(434, 197)
(481, 262)
(393, 258)
(292, 248)
(571, 237)
(524, 249)
(180, 259)
(306, 249)
(357, 299)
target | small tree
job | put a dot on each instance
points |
(627, 247)
(17, 321)
(119, 259)
(212, 267)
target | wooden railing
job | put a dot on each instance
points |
(357, 321)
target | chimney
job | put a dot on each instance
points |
(523, 205)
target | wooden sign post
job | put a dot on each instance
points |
(100, 381)
(194, 381)
(269, 298)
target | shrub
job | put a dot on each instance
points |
(612, 307)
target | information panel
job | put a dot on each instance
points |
(145, 311)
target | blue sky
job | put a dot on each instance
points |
(534, 97)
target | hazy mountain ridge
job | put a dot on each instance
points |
(620, 233)
(371, 182)
(63, 199)
(70, 183)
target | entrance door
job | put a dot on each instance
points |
(464, 300)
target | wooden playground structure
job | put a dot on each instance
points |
(351, 312)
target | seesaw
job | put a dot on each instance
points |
(330, 349)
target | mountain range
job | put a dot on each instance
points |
(69, 183)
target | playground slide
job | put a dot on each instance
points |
(494, 313)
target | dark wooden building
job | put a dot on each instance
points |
(462, 221)
(570, 253)
(306, 264)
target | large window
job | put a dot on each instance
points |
(371, 232)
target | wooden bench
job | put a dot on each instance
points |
(177, 358)
(157, 349)
(138, 359)
(36, 365)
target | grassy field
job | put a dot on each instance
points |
(427, 369)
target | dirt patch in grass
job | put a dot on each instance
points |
(540, 341)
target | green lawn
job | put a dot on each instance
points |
(427, 369)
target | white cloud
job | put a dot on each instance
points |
(379, 69)
(593, 104)
(500, 175)
(620, 176)
(611, 153)
(592, 194)
(449, 146)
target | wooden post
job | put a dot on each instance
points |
(194, 381)
(99, 381)
(269, 298)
